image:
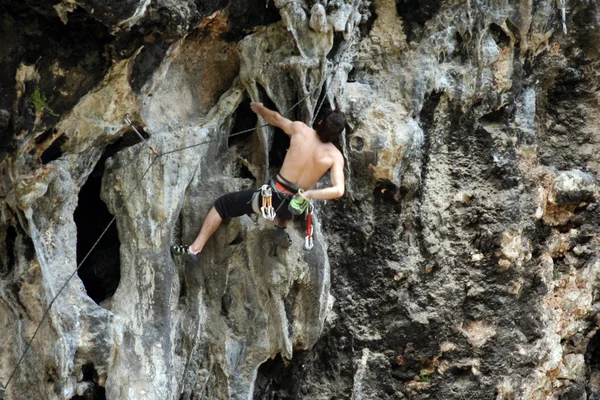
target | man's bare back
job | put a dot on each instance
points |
(308, 158)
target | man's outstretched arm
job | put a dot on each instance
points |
(337, 183)
(275, 119)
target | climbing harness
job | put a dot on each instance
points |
(2, 391)
(308, 240)
(267, 210)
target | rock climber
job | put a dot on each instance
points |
(310, 155)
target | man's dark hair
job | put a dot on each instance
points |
(331, 126)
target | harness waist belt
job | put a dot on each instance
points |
(281, 188)
(284, 185)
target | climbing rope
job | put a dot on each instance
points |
(157, 156)
(128, 120)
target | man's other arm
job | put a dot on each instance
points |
(337, 182)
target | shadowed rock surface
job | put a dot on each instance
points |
(462, 262)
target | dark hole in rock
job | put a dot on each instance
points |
(238, 239)
(29, 251)
(225, 304)
(177, 236)
(269, 371)
(351, 76)
(500, 37)
(460, 370)
(415, 14)
(128, 139)
(245, 15)
(338, 38)
(44, 136)
(183, 289)
(54, 152)
(244, 172)
(11, 236)
(592, 354)
(51, 375)
(245, 119)
(462, 43)
(101, 272)
(280, 142)
(366, 26)
(95, 391)
(386, 192)
(145, 63)
(499, 115)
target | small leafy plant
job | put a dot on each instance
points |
(425, 376)
(38, 99)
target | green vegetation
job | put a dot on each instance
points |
(38, 99)
(425, 376)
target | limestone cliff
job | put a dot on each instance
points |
(461, 263)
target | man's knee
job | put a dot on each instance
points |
(234, 204)
(220, 205)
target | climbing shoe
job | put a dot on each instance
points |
(184, 250)
(281, 238)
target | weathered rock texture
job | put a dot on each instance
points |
(464, 256)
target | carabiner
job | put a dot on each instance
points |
(308, 243)
(267, 210)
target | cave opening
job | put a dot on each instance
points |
(101, 271)
(245, 173)
(415, 14)
(245, 16)
(54, 151)
(278, 150)
(280, 142)
(500, 37)
(95, 391)
(336, 50)
(273, 379)
(499, 115)
(245, 119)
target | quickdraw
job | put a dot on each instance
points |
(267, 209)
(308, 240)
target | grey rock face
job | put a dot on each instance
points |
(461, 263)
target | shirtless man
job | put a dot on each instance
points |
(310, 155)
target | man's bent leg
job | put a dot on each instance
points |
(209, 226)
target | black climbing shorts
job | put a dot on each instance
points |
(239, 203)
